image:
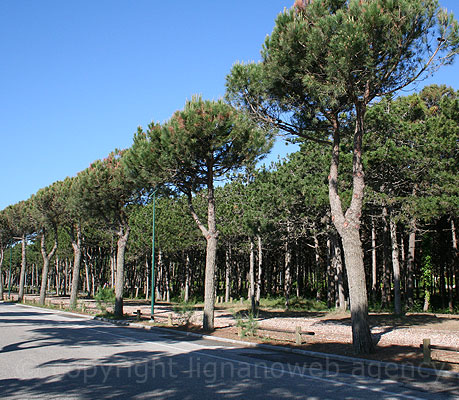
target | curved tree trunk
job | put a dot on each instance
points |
(76, 244)
(211, 235)
(23, 269)
(123, 236)
(46, 258)
(348, 226)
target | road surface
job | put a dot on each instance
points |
(56, 355)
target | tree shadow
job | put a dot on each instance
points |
(207, 374)
(175, 370)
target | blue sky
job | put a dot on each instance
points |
(78, 77)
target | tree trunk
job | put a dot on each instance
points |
(252, 277)
(123, 236)
(46, 258)
(287, 276)
(386, 290)
(23, 269)
(167, 281)
(66, 275)
(317, 261)
(147, 279)
(260, 269)
(455, 256)
(209, 282)
(76, 244)
(331, 295)
(373, 261)
(186, 296)
(58, 277)
(395, 267)
(337, 266)
(348, 226)
(228, 274)
(211, 235)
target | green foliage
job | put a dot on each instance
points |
(105, 190)
(248, 323)
(105, 297)
(206, 138)
(411, 153)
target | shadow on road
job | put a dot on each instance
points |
(173, 373)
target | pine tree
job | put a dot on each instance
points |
(198, 145)
(327, 57)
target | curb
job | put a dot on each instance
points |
(402, 367)
(82, 316)
(338, 357)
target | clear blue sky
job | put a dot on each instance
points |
(78, 76)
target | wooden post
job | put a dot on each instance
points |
(139, 313)
(426, 350)
(298, 335)
(169, 319)
(239, 331)
(242, 300)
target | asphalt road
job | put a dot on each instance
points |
(55, 355)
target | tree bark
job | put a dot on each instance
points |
(252, 277)
(287, 268)
(410, 264)
(211, 235)
(260, 270)
(386, 289)
(227, 274)
(46, 258)
(395, 267)
(76, 245)
(337, 266)
(373, 261)
(23, 269)
(187, 279)
(348, 226)
(58, 277)
(455, 256)
(123, 235)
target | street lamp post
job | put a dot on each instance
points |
(152, 314)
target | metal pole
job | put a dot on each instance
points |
(152, 314)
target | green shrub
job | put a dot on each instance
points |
(248, 323)
(105, 297)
